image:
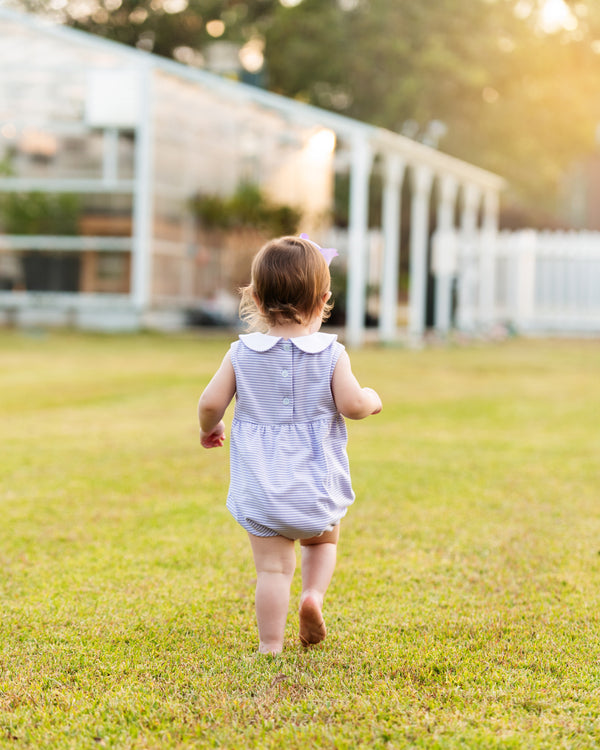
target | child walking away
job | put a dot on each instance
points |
(293, 386)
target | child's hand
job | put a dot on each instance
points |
(213, 439)
(378, 406)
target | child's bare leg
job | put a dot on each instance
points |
(275, 561)
(318, 563)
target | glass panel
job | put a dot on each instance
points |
(66, 214)
(51, 271)
(106, 215)
(106, 273)
(46, 153)
(65, 271)
(11, 272)
(44, 89)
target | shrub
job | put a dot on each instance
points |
(247, 207)
(40, 213)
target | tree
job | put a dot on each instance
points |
(514, 98)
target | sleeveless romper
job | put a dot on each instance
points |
(289, 467)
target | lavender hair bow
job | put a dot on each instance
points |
(329, 253)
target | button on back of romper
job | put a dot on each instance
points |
(283, 384)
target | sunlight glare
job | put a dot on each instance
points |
(251, 55)
(321, 144)
(175, 6)
(556, 15)
(523, 9)
(138, 15)
(215, 28)
(79, 10)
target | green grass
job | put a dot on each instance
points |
(465, 609)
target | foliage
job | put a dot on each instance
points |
(514, 100)
(40, 213)
(339, 285)
(463, 613)
(246, 207)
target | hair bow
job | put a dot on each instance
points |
(329, 253)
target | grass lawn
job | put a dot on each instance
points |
(465, 609)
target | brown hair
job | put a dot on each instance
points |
(289, 279)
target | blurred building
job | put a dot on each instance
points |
(104, 147)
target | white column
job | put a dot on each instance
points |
(419, 235)
(110, 155)
(141, 261)
(388, 309)
(444, 253)
(467, 269)
(361, 161)
(487, 285)
(524, 253)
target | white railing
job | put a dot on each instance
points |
(544, 282)
(548, 281)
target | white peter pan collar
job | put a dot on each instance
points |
(313, 344)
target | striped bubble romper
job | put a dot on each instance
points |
(289, 466)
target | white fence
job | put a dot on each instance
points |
(545, 282)
(536, 282)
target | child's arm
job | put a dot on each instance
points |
(351, 400)
(212, 405)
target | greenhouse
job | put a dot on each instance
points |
(115, 165)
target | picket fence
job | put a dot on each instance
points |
(538, 282)
(541, 282)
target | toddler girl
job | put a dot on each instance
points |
(289, 467)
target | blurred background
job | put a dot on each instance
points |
(511, 86)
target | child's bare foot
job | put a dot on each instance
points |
(312, 625)
(269, 650)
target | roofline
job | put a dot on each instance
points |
(381, 139)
